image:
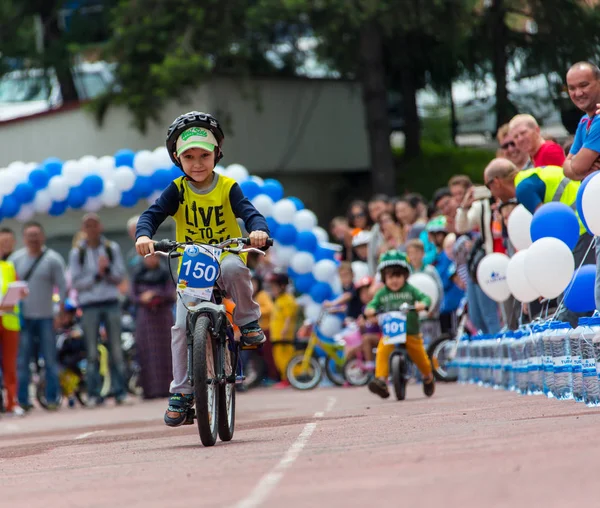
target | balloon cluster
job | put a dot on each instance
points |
(544, 265)
(90, 183)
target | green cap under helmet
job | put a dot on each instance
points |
(393, 258)
(437, 225)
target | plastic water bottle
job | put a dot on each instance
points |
(497, 362)
(561, 356)
(533, 361)
(547, 362)
(462, 354)
(508, 373)
(537, 352)
(474, 360)
(591, 384)
(576, 362)
(487, 360)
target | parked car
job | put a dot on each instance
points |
(27, 92)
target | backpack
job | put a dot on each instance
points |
(107, 248)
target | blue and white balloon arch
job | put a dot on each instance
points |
(91, 183)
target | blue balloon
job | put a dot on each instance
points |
(320, 292)
(286, 234)
(580, 198)
(273, 189)
(307, 241)
(129, 198)
(324, 253)
(143, 186)
(299, 204)
(250, 188)
(39, 178)
(273, 225)
(580, 296)
(305, 282)
(53, 166)
(161, 179)
(76, 198)
(24, 193)
(124, 157)
(92, 185)
(555, 220)
(176, 172)
(58, 208)
(292, 274)
(10, 207)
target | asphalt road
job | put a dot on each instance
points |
(335, 447)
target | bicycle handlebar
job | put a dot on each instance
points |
(166, 247)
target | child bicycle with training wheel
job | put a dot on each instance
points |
(398, 296)
(205, 206)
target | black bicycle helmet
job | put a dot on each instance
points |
(194, 119)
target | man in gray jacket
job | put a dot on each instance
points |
(43, 269)
(97, 268)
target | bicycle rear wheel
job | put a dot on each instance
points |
(398, 369)
(334, 372)
(440, 352)
(304, 379)
(205, 387)
(227, 397)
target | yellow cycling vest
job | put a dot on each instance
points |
(8, 274)
(206, 218)
(558, 187)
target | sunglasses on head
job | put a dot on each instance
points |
(509, 144)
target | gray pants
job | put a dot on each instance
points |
(110, 315)
(588, 257)
(235, 281)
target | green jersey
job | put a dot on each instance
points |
(387, 301)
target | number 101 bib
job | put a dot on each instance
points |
(198, 271)
(393, 327)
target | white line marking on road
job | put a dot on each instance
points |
(319, 414)
(88, 434)
(273, 477)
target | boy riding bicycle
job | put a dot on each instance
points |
(205, 206)
(395, 269)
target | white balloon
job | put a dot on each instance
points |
(143, 162)
(238, 172)
(549, 266)
(93, 204)
(360, 269)
(305, 220)
(42, 201)
(312, 311)
(161, 158)
(220, 169)
(124, 178)
(284, 211)
(283, 255)
(8, 182)
(336, 285)
(264, 204)
(25, 213)
(106, 163)
(58, 187)
(491, 276)
(111, 194)
(325, 270)
(517, 280)
(330, 325)
(321, 234)
(590, 205)
(302, 262)
(89, 163)
(73, 173)
(425, 283)
(518, 225)
(18, 170)
(257, 179)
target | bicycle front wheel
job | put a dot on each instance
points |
(205, 384)
(303, 378)
(227, 396)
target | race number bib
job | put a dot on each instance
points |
(393, 327)
(199, 271)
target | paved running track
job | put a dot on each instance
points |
(332, 447)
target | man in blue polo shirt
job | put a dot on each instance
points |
(583, 83)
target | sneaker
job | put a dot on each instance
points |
(429, 387)
(26, 407)
(252, 334)
(94, 402)
(51, 407)
(17, 412)
(123, 401)
(379, 387)
(179, 404)
(281, 385)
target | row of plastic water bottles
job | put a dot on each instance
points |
(549, 357)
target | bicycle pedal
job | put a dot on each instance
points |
(190, 416)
